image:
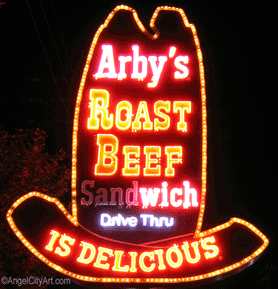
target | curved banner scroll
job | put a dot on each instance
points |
(51, 235)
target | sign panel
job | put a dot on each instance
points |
(140, 131)
(138, 166)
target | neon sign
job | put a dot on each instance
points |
(139, 158)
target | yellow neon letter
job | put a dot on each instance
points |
(174, 156)
(182, 106)
(142, 263)
(66, 248)
(185, 248)
(107, 163)
(214, 248)
(142, 112)
(152, 163)
(133, 256)
(101, 257)
(86, 247)
(132, 167)
(99, 102)
(117, 264)
(161, 265)
(178, 253)
(158, 106)
(123, 124)
(53, 239)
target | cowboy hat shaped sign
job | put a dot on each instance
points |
(139, 158)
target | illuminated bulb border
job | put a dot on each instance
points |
(58, 268)
(203, 99)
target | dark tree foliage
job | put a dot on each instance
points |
(26, 166)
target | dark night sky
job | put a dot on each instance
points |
(239, 52)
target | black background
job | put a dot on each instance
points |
(239, 50)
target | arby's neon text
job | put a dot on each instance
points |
(140, 65)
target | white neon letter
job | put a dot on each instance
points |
(178, 63)
(105, 220)
(164, 192)
(135, 67)
(123, 60)
(173, 194)
(156, 69)
(187, 192)
(149, 196)
(106, 62)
